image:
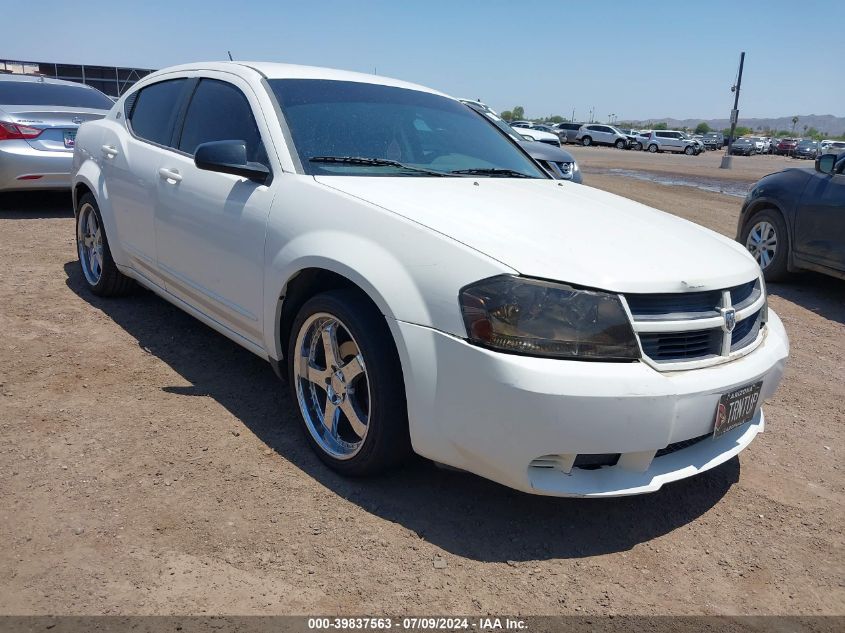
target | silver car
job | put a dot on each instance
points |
(598, 134)
(38, 122)
(671, 141)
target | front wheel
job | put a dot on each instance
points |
(765, 237)
(98, 268)
(638, 146)
(689, 150)
(347, 381)
(620, 144)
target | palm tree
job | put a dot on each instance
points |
(794, 123)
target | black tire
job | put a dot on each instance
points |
(586, 141)
(387, 442)
(620, 144)
(110, 282)
(652, 148)
(638, 146)
(777, 268)
(689, 150)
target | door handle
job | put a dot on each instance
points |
(169, 174)
(109, 151)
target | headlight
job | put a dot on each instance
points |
(541, 318)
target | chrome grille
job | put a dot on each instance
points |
(676, 329)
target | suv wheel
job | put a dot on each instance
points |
(347, 381)
(638, 146)
(689, 150)
(765, 237)
(586, 141)
(98, 268)
(652, 148)
(620, 144)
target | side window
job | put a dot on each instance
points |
(663, 135)
(155, 110)
(220, 112)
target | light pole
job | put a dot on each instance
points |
(726, 159)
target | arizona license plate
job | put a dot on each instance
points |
(70, 138)
(736, 408)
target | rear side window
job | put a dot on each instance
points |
(220, 112)
(47, 94)
(155, 110)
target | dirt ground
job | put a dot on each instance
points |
(148, 465)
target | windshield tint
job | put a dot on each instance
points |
(43, 93)
(349, 119)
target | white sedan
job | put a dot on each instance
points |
(423, 285)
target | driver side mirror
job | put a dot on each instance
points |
(229, 157)
(826, 163)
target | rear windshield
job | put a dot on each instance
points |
(47, 94)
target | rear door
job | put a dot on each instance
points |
(131, 159)
(820, 221)
(210, 227)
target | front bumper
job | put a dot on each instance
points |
(522, 421)
(20, 163)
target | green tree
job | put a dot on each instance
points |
(660, 126)
(702, 128)
(519, 113)
(794, 123)
(507, 115)
(556, 119)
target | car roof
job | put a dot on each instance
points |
(272, 70)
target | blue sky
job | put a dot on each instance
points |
(635, 59)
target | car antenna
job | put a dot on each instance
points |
(230, 56)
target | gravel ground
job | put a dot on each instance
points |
(150, 466)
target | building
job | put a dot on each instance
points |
(112, 80)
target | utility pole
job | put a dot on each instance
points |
(726, 159)
(230, 55)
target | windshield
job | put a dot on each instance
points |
(410, 128)
(37, 93)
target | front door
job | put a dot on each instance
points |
(210, 227)
(820, 221)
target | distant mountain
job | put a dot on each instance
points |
(826, 123)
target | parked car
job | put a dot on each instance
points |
(806, 149)
(534, 134)
(38, 122)
(831, 147)
(787, 146)
(743, 147)
(423, 283)
(598, 134)
(793, 220)
(558, 162)
(773, 146)
(670, 141)
(631, 134)
(568, 132)
(699, 143)
(640, 139)
(713, 140)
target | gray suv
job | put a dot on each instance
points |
(598, 134)
(670, 141)
(568, 131)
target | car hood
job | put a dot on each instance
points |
(562, 231)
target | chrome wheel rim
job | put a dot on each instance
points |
(89, 241)
(332, 385)
(762, 242)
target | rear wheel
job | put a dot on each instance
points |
(347, 381)
(92, 246)
(652, 148)
(586, 141)
(766, 239)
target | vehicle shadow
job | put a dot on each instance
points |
(461, 513)
(29, 205)
(818, 293)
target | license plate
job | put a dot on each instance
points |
(736, 408)
(70, 138)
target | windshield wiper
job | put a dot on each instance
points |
(373, 162)
(492, 171)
